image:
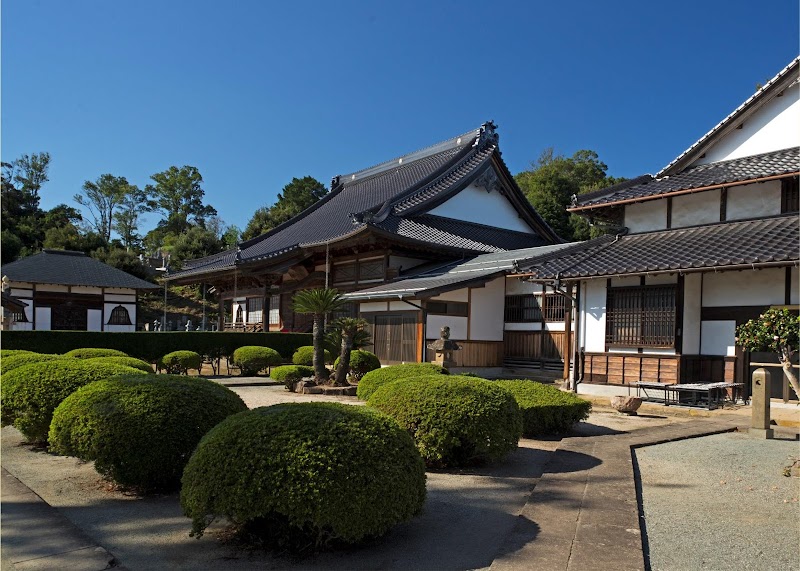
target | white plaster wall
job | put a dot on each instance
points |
(555, 326)
(661, 279)
(794, 297)
(28, 309)
(718, 338)
(657, 351)
(94, 319)
(131, 307)
(461, 295)
(369, 306)
(487, 311)
(122, 290)
(646, 216)
(458, 326)
(22, 293)
(694, 209)
(52, 287)
(514, 286)
(42, 319)
(626, 350)
(624, 281)
(21, 285)
(753, 200)
(120, 298)
(21, 326)
(594, 312)
(747, 287)
(403, 306)
(523, 326)
(474, 204)
(773, 127)
(91, 290)
(692, 287)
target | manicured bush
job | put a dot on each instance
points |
(305, 356)
(306, 474)
(140, 430)
(179, 362)
(361, 363)
(252, 359)
(373, 380)
(32, 392)
(93, 352)
(10, 363)
(546, 409)
(290, 374)
(127, 361)
(455, 421)
(11, 352)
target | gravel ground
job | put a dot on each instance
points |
(721, 502)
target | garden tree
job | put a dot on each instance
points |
(178, 194)
(319, 303)
(122, 259)
(127, 218)
(775, 331)
(195, 242)
(60, 215)
(228, 235)
(348, 327)
(70, 237)
(295, 197)
(22, 179)
(552, 180)
(102, 198)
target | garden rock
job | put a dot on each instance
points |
(626, 405)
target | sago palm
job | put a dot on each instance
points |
(318, 302)
(349, 327)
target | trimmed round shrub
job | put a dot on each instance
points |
(252, 359)
(546, 409)
(8, 364)
(455, 421)
(179, 362)
(361, 363)
(92, 353)
(305, 356)
(127, 361)
(305, 474)
(290, 374)
(32, 392)
(373, 380)
(11, 352)
(140, 430)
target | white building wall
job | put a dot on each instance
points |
(523, 326)
(372, 306)
(773, 127)
(42, 318)
(794, 297)
(646, 216)
(487, 309)
(90, 290)
(458, 326)
(514, 286)
(109, 307)
(753, 200)
(461, 295)
(694, 209)
(692, 300)
(94, 319)
(52, 287)
(28, 309)
(747, 287)
(474, 204)
(594, 315)
(718, 338)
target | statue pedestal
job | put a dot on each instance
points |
(444, 359)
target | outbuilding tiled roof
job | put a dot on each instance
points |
(754, 167)
(747, 243)
(65, 267)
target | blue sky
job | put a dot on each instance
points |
(254, 93)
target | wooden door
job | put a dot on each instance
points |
(394, 338)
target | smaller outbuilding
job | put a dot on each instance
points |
(67, 290)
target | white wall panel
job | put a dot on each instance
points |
(487, 311)
(661, 279)
(691, 313)
(753, 200)
(90, 290)
(43, 318)
(523, 326)
(458, 326)
(120, 298)
(694, 209)
(52, 287)
(474, 204)
(94, 320)
(455, 295)
(795, 294)
(718, 338)
(370, 306)
(747, 287)
(515, 286)
(646, 216)
(594, 310)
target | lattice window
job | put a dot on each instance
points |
(371, 270)
(535, 308)
(347, 310)
(641, 316)
(790, 195)
(119, 316)
(275, 310)
(255, 309)
(447, 308)
(344, 273)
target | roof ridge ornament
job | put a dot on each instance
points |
(487, 135)
(488, 180)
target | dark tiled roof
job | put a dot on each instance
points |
(12, 303)
(454, 275)
(717, 246)
(64, 267)
(724, 172)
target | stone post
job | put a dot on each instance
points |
(759, 403)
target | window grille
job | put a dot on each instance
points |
(347, 310)
(534, 308)
(19, 317)
(641, 316)
(344, 273)
(275, 310)
(372, 270)
(119, 316)
(790, 195)
(255, 309)
(455, 308)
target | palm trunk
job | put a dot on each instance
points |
(344, 360)
(320, 374)
(786, 363)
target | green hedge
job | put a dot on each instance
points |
(305, 356)
(252, 359)
(455, 421)
(305, 475)
(361, 363)
(290, 374)
(32, 392)
(149, 346)
(545, 408)
(373, 380)
(11, 352)
(140, 431)
(8, 364)
(179, 362)
(94, 352)
(126, 361)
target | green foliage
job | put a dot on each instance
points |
(318, 302)
(11, 352)
(296, 196)
(32, 392)
(94, 352)
(132, 362)
(12, 362)
(455, 421)
(178, 194)
(150, 346)
(290, 374)
(776, 331)
(101, 198)
(546, 409)
(305, 356)
(252, 359)
(122, 260)
(373, 380)
(194, 242)
(179, 362)
(311, 473)
(361, 363)
(140, 431)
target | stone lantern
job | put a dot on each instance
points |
(444, 348)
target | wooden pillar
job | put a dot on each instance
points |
(567, 331)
